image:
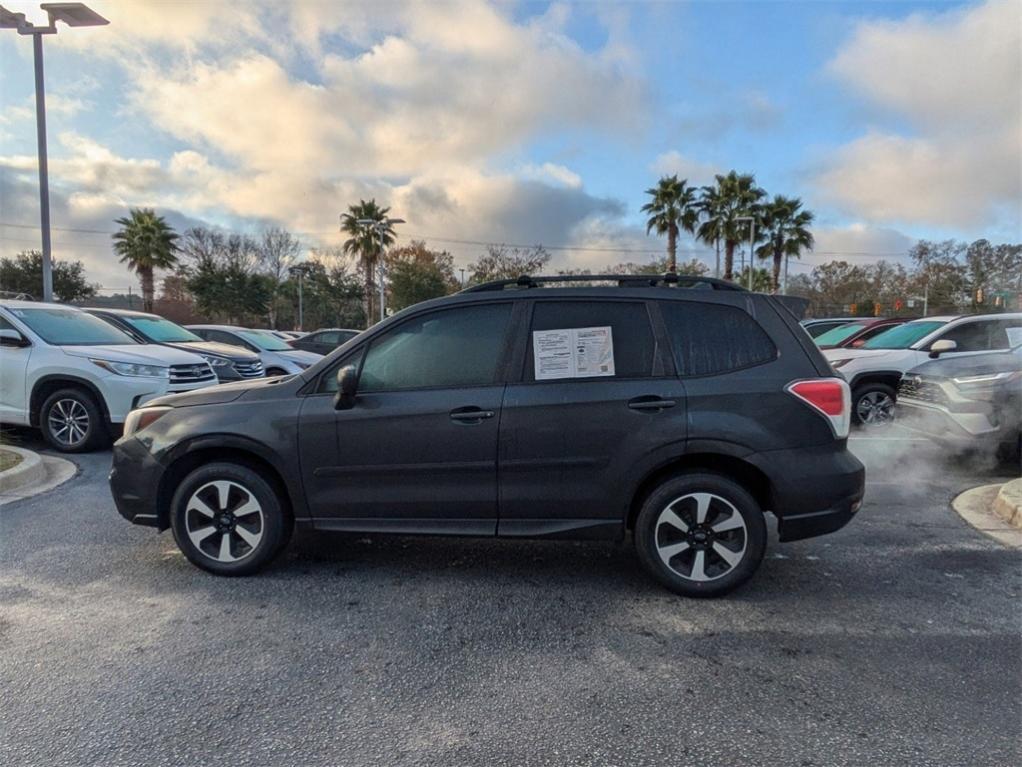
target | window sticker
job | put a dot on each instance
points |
(1014, 336)
(573, 353)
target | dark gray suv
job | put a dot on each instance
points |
(678, 410)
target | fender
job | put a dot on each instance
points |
(33, 399)
(858, 377)
(289, 475)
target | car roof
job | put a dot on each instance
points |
(14, 303)
(119, 312)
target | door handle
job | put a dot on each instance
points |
(650, 404)
(470, 415)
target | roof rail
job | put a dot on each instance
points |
(623, 281)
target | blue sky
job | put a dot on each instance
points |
(530, 122)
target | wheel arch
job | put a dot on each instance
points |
(199, 452)
(725, 463)
(46, 385)
(888, 377)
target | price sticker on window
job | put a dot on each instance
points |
(573, 353)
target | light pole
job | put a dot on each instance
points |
(74, 15)
(380, 228)
(299, 271)
(752, 242)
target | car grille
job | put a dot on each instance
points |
(916, 388)
(250, 369)
(189, 374)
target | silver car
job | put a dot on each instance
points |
(278, 358)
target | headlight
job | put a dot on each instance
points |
(217, 362)
(132, 369)
(987, 379)
(143, 417)
(838, 363)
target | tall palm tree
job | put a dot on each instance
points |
(732, 197)
(367, 242)
(672, 208)
(145, 243)
(786, 229)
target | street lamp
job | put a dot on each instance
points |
(380, 226)
(74, 15)
(752, 241)
(299, 271)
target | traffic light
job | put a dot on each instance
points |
(854, 309)
(979, 295)
(876, 309)
(898, 304)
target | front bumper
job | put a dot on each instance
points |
(134, 479)
(815, 490)
(944, 425)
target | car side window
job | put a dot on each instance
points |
(971, 336)
(713, 338)
(462, 346)
(1003, 332)
(326, 337)
(225, 338)
(633, 346)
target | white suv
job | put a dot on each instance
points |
(874, 369)
(75, 376)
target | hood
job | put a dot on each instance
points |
(217, 349)
(300, 355)
(214, 395)
(953, 366)
(141, 354)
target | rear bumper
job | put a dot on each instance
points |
(815, 490)
(134, 479)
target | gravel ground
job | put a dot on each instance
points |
(896, 641)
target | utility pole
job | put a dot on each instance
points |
(752, 241)
(299, 271)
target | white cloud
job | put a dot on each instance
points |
(549, 171)
(674, 163)
(956, 79)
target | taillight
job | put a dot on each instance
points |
(830, 397)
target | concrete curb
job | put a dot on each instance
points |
(29, 470)
(49, 472)
(1008, 503)
(976, 506)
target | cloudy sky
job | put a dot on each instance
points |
(517, 122)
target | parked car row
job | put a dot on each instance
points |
(77, 373)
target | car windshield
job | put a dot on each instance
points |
(265, 341)
(70, 327)
(834, 336)
(903, 336)
(161, 330)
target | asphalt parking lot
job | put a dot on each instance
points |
(897, 640)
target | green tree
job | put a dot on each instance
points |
(367, 242)
(732, 197)
(223, 277)
(145, 243)
(672, 207)
(24, 274)
(416, 274)
(786, 230)
(503, 263)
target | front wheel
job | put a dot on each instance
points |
(701, 535)
(873, 404)
(72, 422)
(228, 520)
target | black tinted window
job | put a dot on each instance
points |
(633, 347)
(710, 338)
(453, 347)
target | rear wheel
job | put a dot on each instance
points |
(873, 404)
(228, 520)
(72, 422)
(701, 535)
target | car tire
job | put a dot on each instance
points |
(707, 558)
(873, 404)
(72, 422)
(228, 520)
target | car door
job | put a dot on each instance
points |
(13, 378)
(593, 398)
(978, 336)
(321, 343)
(417, 450)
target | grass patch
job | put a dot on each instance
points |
(8, 460)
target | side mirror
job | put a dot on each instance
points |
(943, 346)
(347, 383)
(13, 338)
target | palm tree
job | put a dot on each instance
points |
(786, 229)
(145, 243)
(731, 198)
(367, 242)
(672, 207)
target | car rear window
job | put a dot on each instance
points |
(711, 338)
(840, 333)
(633, 343)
